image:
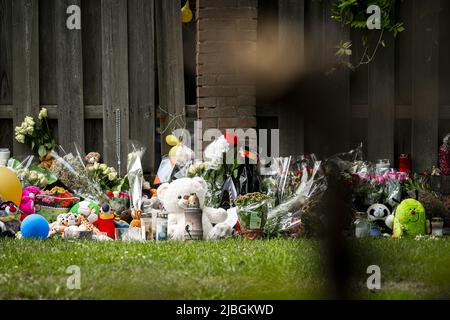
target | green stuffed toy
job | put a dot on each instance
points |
(410, 219)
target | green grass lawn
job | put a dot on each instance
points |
(232, 269)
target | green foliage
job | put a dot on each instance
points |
(352, 14)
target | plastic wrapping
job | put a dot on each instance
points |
(70, 170)
(30, 174)
(286, 216)
(135, 174)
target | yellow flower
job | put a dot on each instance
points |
(43, 113)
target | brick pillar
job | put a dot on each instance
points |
(226, 38)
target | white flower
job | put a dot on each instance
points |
(20, 138)
(43, 113)
(103, 167)
(33, 176)
(112, 176)
(96, 166)
(214, 151)
(29, 121)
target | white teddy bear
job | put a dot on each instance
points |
(174, 197)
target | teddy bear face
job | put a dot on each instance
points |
(175, 195)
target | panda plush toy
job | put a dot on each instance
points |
(379, 216)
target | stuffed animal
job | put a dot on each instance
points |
(107, 223)
(92, 158)
(9, 219)
(136, 222)
(175, 199)
(88, 209)
(410, 219)
(377, 214)
(27, 205)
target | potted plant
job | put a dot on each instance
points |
(252, 212)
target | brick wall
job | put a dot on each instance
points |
(226, 38)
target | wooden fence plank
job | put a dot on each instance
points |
(48, 93)
(115, 82)
(25, 49)
(170, 67)
(5, 53)
(92, 51)
(291, 30)
(381, 122)
(142, 76)
(425, 84)
(69, 75)
(337, 87)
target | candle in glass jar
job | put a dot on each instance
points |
(5, 154)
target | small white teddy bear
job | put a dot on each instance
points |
(174, 197)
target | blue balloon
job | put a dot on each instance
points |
(35, 226)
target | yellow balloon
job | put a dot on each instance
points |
(173, 151)
(10, 188)
(171, 140)
(186, 13)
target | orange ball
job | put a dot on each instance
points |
(10, 188)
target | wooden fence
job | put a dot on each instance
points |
(126, 60)
(400, 103)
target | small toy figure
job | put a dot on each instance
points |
(410, 219)
(9, 219)
(27, 205)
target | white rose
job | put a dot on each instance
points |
(103, 167)
(96, 166)
(29, 121)
(20, 138)
(43, 114)
(112, 176)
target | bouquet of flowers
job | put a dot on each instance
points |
(70, 170)
(54, 202)
(379, 188)
(215, 170)
(31, 175)
(118, 200)
(287, 216)
(106, 177)
(37, 135)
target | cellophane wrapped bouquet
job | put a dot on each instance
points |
(299, 188)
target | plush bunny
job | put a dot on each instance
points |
(136, 215)
(175, 199)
